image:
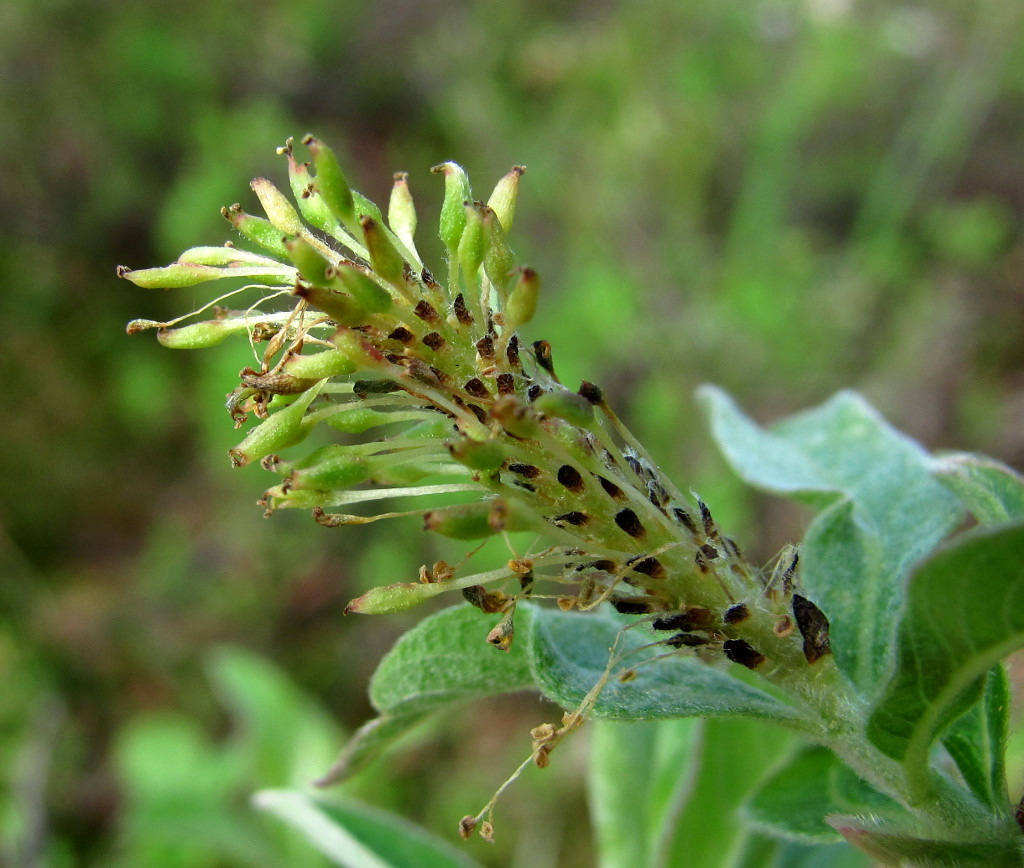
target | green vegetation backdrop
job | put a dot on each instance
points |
(784, 198)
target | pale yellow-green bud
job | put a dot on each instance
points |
(402, 211)
(280, 211)
(522, 300)
(503, 199)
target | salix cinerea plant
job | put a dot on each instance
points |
(874, 640)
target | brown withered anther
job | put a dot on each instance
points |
(611, 489)
(435, 341)
(512, 352)
(402, 335)
(506, 383)
(476, 388)
(542, 352)
(693, 618)
(630, 523)
(425, 311)
(461, 311)
(736, 614)
(686, 640)
(649, 566)
(570, 478)
(631, 607)
(592, 392)
(485, 346)
(743, 653)
(813, 626)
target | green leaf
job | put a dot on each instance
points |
(569, 654)
(366, 744)
(993, 492)
(964, 613)
(356, 836)
(977, 741)
(446, 658)
(707, 827)
(880, 505)
(286, 736)
(794, 802)
(637, 775)
(892, 844)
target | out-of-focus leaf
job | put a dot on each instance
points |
(356, 836)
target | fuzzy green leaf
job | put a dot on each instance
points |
(993, 492)
(637, 776)
(977, 741)
(357, 836)
(794, 802)
(446, 658)
(569, 654)
(882, 503)
(964, 613)
(895, 844)
(707, 827)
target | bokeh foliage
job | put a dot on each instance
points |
(781, 197)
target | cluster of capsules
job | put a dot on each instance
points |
(356, 333)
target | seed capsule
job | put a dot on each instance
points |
(384, 257)
(402, 211)
(331, 184)
(453, 210)
(280, 211)
(503, 198)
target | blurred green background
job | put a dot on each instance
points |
(784, 198)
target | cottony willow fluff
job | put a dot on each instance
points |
(353, 332)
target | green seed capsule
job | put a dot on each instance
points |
(336, 468)
(517, 418)
(256, 229)
(522, 301)
(573, 408)
(384, 257)
(338, 306)
(281, 430)
(226, 254)
(503, 199)
(479, 520)
(280, 211)
(477, 454)
(310, 262)
(453, 212)
(473, 244)
(367, 293)
(356, 419)
(195, 336)
(498, 260)
(311, 204)
(331, 184)
(402, 211)
(327, 363)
